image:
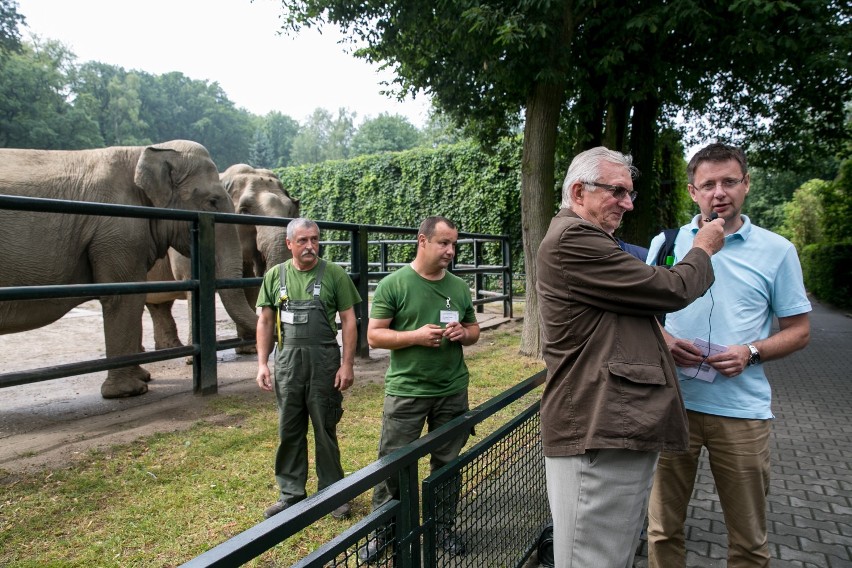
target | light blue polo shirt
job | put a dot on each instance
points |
(758, 276)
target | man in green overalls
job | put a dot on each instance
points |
(299, 300)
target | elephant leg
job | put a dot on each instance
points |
(251, 295)
(123, 336)
(189, 359)
(243, 316)
(244, 332)
(246, 349)
(165, 328)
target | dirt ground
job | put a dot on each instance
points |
(52, 423)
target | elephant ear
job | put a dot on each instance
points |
(233, 179)
(155, 174)
(234, 185)
(248, 205)
(288, 196)
(295, 201)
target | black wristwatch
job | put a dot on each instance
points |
(754, 357)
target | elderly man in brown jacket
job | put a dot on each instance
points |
(611, 401)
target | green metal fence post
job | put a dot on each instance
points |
(409, 518)
(204, 377)
(359, 265)
(507, 279)
(477, 278)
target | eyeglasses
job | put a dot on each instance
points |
(618, 191)
(727, 183)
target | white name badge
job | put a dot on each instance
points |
(287, 317)
(449, 316)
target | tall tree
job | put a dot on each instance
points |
(310, 144)
(491, 64)
(176, 106)
(487, 65)
(90, 83)
(340, 135)
(124, 125)
(439, 130)
(280, 130)
(385, 133)
(34, 112)
(260, 152)
(658, 62)
(10, 22)
(323, 137)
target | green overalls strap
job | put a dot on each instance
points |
(310, 324)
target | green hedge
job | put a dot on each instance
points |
(828, 272)
(479, 191)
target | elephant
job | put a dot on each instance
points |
(52, 248)
(257, 191)
(176, 266)
(254, 191)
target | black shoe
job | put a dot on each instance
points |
(275, 508)
(371, 551)
(451, 542)
(342, 512)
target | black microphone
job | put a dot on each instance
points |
(714, 216)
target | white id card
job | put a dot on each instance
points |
(287, 317)
(449, 316)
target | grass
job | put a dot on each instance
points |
(165, 499)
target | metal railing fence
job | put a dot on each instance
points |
(204, 283)
(499, 494)
(498, 485)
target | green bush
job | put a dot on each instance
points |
(478, 191)
(827, 270)
(837, 205)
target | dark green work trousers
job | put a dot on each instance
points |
(304, 386)
(402, 423)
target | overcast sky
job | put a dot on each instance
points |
(232, 42)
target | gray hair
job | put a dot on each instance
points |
(585, 167)
(298, 223)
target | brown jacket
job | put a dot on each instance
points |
(611, 381)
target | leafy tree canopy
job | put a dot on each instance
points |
(618, 70)
(385, 133)
(10, 20)
(33, 109)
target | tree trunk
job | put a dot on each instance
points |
(537, 195)
(615, 133)
(671, 152)
(641, 224)
(592, 111)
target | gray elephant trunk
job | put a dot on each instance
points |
(271, 242)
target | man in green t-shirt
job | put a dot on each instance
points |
(299, 300)
(424, 315)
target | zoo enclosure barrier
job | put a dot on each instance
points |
(367, 261)
(498, 486)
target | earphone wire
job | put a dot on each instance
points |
(709, 332)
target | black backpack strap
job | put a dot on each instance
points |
(665, 256)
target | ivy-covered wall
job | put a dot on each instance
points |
(480, 192)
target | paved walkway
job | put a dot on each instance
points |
(810, 501)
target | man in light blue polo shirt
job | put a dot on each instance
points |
(719, 343)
